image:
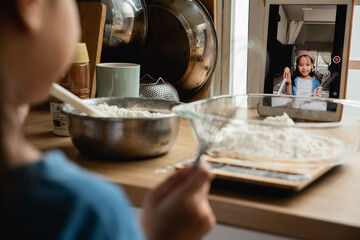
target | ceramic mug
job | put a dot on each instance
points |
(117, 80)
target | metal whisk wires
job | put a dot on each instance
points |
(209, 126)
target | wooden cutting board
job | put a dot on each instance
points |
(92, 20)
(287, 178)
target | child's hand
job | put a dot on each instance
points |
(317, 92)
(22, 112)
(287, 75)
(179, 208)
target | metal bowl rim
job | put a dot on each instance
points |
(171, 114)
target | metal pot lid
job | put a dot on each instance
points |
(125, 29)
(181, 45)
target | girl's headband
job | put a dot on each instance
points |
(304, 53)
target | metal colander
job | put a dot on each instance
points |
(157, 88)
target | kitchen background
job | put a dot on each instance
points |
(233, 32)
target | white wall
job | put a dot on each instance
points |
(353, 80)
(282, 26)
(238, 46)
(255, 49)
(353, 85)
(355, 35)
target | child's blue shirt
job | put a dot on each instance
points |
(315, 84)
(56, 199)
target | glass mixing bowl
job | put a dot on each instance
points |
(276, 130)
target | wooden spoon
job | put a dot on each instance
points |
(64, 95)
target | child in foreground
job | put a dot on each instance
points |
(46, 196)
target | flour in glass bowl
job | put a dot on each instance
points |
(277, 142)
(114, 111)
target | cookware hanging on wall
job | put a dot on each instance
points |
(125, 29)
(181, 45)
(171, 39)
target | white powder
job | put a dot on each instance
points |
(164, 170)
(160, 170)
(282, 141)
(114, 111)
(284, 119)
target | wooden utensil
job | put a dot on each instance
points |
(64, 95)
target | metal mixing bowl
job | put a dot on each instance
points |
(124, 138)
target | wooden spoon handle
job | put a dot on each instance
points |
(64, 95)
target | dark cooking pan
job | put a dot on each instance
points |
(125, 29)
(181, 45)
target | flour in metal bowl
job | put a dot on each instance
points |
(115, 111)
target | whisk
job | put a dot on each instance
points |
(207, 125)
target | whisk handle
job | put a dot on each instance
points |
(198, 156)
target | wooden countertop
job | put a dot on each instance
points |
(327, 209)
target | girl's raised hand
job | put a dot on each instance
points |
(287, 75)
(179, 207)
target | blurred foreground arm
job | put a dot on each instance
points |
(179, 207)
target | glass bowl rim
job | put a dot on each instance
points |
(183, 111)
